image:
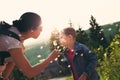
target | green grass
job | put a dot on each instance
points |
(32, 52)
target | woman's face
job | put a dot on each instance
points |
(36, 32)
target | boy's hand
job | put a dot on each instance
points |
(83, 77)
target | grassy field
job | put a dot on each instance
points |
(37, 52)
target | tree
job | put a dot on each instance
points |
(96, 35)
(110, 66)
(82, 36)
(54, 39)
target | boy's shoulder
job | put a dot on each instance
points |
(80, 46)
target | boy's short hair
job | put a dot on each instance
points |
(70, 31)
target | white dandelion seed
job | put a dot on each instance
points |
(60, 50)
(62, 60)
(102, 30)
(41, 60)
(72, 50)
(38, 56)
(58, 55)
(68, 66)
(116, 25)
(60, 71)
(109, 29)
(102, 38)
(81, 54)
(98, 49)
(41, 47)
(55, 43)
(58, 47)
(51, 61)
(19, 35)
(56, 59)
(89, 51)
(76, 53)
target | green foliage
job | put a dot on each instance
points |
(96, 35)
(110, 30)
(82, 36)
(110, 66)
(37, 52)
(69, 78)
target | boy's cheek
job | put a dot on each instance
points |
(63, 42)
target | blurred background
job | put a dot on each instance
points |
(97, 24)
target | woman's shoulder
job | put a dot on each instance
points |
(15, 30)
(10, 42)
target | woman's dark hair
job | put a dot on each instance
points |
(27, 21)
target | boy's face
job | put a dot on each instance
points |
(64, 39)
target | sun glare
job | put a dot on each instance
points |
(57, 13)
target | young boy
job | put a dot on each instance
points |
(77, 57)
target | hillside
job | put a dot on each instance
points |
(37, 52)
(109, 30)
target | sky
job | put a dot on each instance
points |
(58, 13)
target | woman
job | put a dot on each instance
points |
(28, 26)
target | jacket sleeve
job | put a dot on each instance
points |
(91, 60)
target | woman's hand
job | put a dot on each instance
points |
(83, 77)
